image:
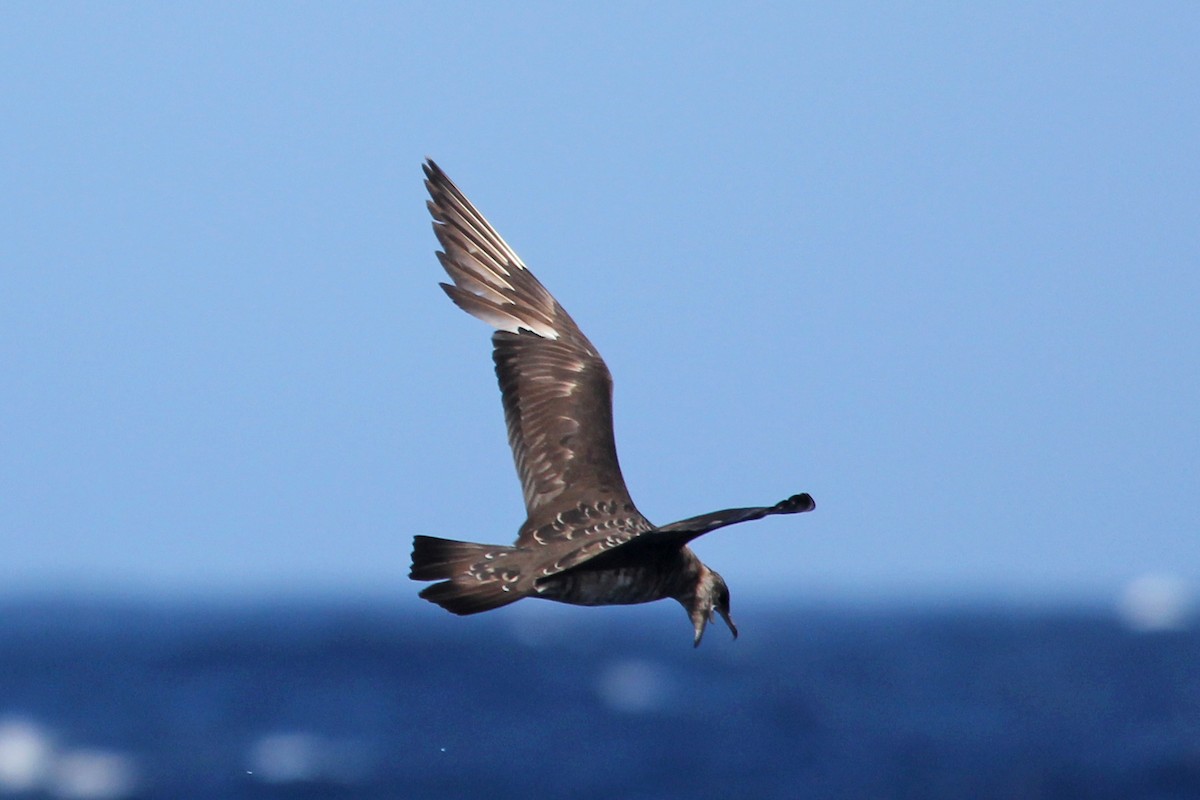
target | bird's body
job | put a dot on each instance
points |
(584, 542)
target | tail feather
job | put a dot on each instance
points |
(467, 590)
(434, 559)
(464, 598)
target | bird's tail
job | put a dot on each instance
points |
(434, 559)
(463, 598)
(467, 590)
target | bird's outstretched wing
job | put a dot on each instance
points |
(686, 530)
(627, 546)
(556, 388)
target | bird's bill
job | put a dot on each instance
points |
(728, 621)
(701, 620)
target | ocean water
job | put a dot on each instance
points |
(360, 700)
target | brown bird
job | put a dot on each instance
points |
(584, 541)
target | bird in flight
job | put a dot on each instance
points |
(584, 542)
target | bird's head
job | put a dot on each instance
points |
(711, 598)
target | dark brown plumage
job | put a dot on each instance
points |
(584, 541)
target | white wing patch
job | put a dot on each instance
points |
(504, 316)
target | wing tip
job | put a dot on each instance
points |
(796, 504)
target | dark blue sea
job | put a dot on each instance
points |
(361, 700)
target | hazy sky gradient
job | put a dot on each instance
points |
(938, 266)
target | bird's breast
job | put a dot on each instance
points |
(616, 586)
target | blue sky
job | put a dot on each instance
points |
(938, 265)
